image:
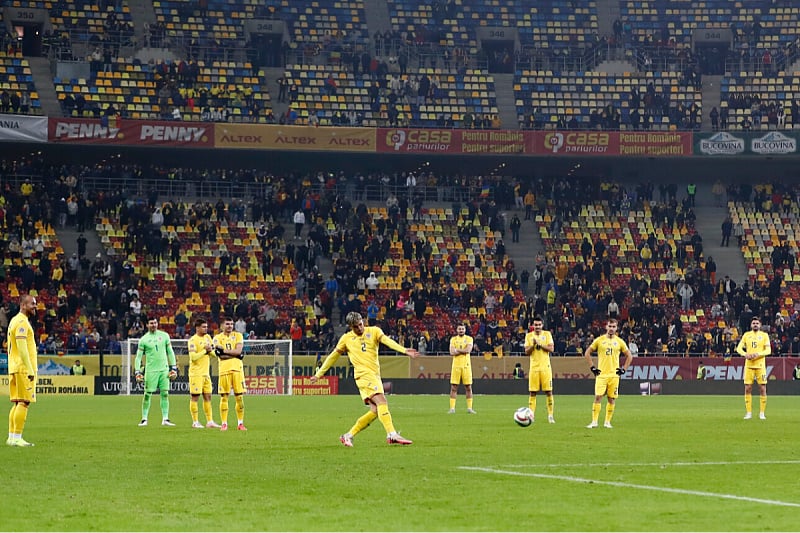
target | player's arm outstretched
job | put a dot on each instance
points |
(394, 345)
(330, 360)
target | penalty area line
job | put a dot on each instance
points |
(679, 463)
(621, 484)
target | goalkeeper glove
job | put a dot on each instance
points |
(173, 372)
(139, 376)
(595, 371)
(240, 356)
(621, 371)
(219, 351)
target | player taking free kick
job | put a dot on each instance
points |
(361, 346)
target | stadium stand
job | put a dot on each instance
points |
(547, 99)
(16, 83)
(363, 101)
(196, 244)
(219, 90)
(759, 102)
(617, 227)
(759, 23)
(552, 23)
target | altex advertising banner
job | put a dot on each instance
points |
(306, 138)
(766, 143)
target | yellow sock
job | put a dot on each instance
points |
(532, 403)
(193, 410)
(223, 409)
(469, 403)
(748, 403)
(20, 415)
(595, 412)
(763, 403)
(363, 421)
(386, 418)
(207, 411)
(610, 412)
(11, 426)
(240, 408)
(452, 403)
(550, 403)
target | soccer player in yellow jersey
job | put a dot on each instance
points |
(228, 346)
(607, 371)
(755, 346)
(361, 346)
(22, 367)
(201, 347)
(461, 371)
(538, 346)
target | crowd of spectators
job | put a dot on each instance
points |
(17, 102)
(573, 299)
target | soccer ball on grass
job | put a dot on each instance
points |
(523, 417)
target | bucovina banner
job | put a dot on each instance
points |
(769, 143)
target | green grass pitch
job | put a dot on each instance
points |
(671, 463)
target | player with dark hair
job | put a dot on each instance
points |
(538, 346)
(607, 372)
(755, 347)
(229, 345)
(160, 368)
(361, 346)
(201, 347)
(461, 369)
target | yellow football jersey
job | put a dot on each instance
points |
(540, 359)
(755, 343)
(362, 351)
(20, 327)
(462, 342)
(199, 356)
(608, 350)
(229, 342)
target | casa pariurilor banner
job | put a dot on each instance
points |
(541, 143)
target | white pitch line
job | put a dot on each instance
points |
(631, 486)
(687, 463)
